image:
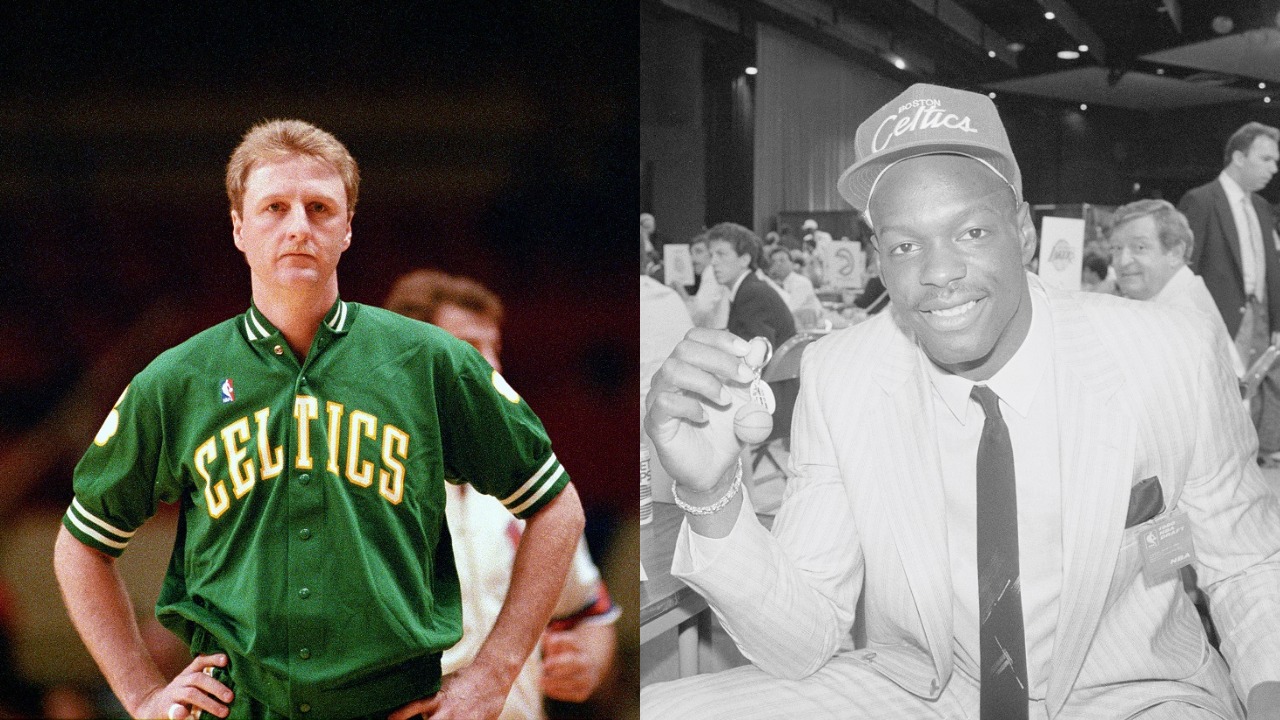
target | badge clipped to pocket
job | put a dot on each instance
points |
(1166, 545)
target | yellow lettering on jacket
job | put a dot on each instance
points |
(249, 455)
(335, 427)
(395, 442)
(362, 423)
(215, 494)
(305, 409)
(243, 475)
(271, 461)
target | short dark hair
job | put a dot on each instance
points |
(1243, 138)
(1171, 225)
(744, 241)
(421, 293)
(1097, 263)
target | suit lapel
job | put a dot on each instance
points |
(1096, 458)
(1227, 222)
(915, 492)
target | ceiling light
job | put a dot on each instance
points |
(1016, 47)
(752, 71)
(1068, 54)
(1262, 86)
(1048, 15)
(991, 53)
(1266, 99)
(1083, 48)
(1223, 24)
(900, 63)
(1083, 107)
(991, 95)
(1159, 71)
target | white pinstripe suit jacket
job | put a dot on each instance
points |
(1143, 390)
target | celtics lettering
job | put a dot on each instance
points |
(928, 115)
(245, 450)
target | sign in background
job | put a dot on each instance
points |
(844, 264)
(677, 264)
(1061, 252)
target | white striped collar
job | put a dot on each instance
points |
(257, 327)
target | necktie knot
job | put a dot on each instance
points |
(989, 401)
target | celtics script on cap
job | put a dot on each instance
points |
(925, 120)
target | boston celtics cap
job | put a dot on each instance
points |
(928, 120)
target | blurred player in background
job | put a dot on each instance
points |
(578, 646)
(307, 442)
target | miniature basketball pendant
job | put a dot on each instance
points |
(752, 424)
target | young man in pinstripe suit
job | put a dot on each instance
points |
(1111, 429)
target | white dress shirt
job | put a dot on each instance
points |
(800, 288)
(1252, 263)
(485, 535)
(1187, 290)
(1028, 402)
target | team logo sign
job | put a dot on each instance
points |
(1062, 255)
(112, 423)
(228, 391)
(500, 384)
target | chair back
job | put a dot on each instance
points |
(783, 375)
(785, 364)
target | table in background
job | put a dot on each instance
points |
(665, 601)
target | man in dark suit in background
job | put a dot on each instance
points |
(1235, 253)
(755, 308)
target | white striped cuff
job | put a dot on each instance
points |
(535, 488)
(112, 538)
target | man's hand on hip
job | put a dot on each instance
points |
(471, 693)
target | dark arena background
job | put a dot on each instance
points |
(495, 140)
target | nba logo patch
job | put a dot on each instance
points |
(228, 391)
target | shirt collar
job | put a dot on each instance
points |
(1234, 192)
(1173, 286)
(733, 289)
(1017, 382)
(258, 328)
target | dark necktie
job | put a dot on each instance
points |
(1004, 660)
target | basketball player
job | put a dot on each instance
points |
(306, 442)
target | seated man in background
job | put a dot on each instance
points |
(578, 646)
(708, 301)
(755, 309)
(1150, 242)
(1095, 273)
(799, 288)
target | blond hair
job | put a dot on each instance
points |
(272, 140)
